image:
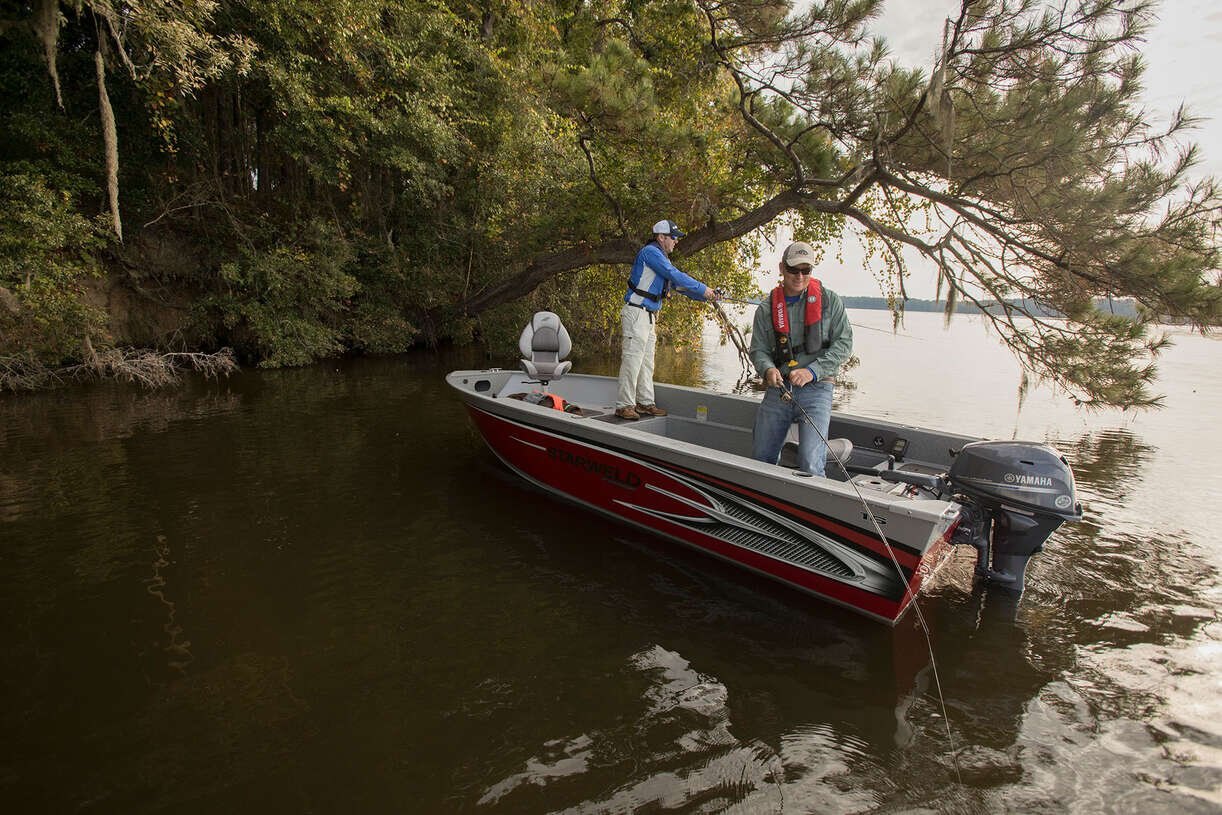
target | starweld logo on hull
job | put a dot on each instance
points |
(610, 472)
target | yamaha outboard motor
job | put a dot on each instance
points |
(1014, 495)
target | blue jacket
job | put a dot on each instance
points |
(653, 272)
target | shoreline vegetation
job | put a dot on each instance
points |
(191, 186)
(153, 369)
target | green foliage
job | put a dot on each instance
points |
(371, 174)
(376, 319)
(289, 297)
(365, 84)
(46, 253)
(445, 144)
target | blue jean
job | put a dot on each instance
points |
(774, 417)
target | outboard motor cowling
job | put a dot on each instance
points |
(1021, 474)
(1015, 495)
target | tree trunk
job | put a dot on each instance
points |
(110, 143)
(622, 250)
(46, 24)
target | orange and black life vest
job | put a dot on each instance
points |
(812, 339)
(550, 400)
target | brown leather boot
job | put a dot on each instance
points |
(627, 413)
(650, 410)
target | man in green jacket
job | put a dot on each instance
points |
(800, 338)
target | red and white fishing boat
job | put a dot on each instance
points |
(689, 476)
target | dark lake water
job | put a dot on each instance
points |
(316, 591)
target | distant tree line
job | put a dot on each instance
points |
(294, 180)
(1121, 308)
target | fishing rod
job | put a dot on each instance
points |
(723, 297)
(787, 396)
(761, 302)
(727, 299)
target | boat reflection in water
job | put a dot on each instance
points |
(765, 705)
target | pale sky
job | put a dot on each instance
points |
(1183, 55)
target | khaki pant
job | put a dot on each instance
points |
(636, 364)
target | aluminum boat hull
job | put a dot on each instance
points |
(689, 477)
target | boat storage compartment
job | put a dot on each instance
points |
(863, 465)
(723, 437)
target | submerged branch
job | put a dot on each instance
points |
(149, 369)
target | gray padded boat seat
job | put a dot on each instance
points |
(839, 449)
(545, 343)
(836, 449)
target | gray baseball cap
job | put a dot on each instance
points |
(798, 254)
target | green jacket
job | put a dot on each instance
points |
(823, 362)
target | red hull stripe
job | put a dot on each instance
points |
(906, 555)
(653, 495)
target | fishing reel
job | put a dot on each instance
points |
(786, 349)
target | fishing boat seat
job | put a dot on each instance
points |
(837, 449)
(545, 343)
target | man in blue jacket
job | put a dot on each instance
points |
(653, 277)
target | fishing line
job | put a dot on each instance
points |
(730, 330)
(753, 302)
(787, 396)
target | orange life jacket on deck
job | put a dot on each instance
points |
(550, 400)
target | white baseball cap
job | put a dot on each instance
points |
(668, 228)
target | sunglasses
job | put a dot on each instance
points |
(797, 270)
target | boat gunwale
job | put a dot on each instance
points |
(623, 439)
(920, 510)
